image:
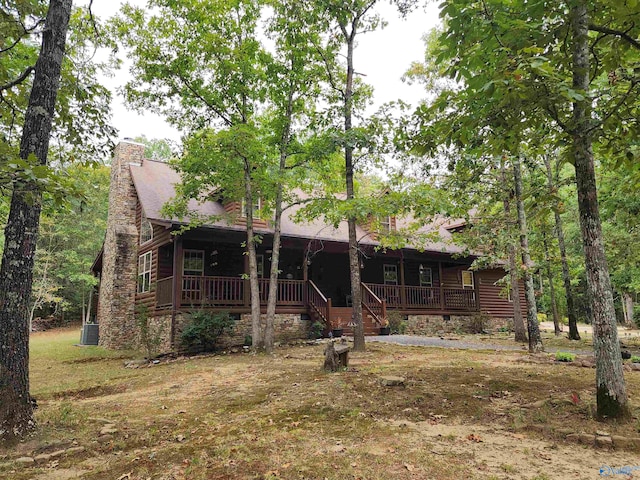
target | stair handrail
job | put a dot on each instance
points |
(324, 307)
(379, 312)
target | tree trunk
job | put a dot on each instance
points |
(535, 341)
(557, 328)
(354, 255)
(21, 232)
(610, 387)
(518, 321)
(277, 229)
(566, 278)
(627, 308)
(257, 332)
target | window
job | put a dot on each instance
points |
(386, 224)
(256, 207)
(426, 276)
(390, 274)
(193, 263)
(146, 230)
(144, 272)
(467, 279)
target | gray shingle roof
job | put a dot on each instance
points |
(155, 184)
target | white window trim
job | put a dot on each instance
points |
(256, 207)
(392, 268)
(472, 285)
(145, 262)
(425, 269)
(184, 256)
(385, 224)
(144, 222)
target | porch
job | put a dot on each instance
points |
(305, 296)
(314, 280)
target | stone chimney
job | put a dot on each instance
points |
(116, 306)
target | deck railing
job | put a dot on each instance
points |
(459, 299)
(218, 291)
(376, 298)
(434, 298)
(290, 292)
(164, 292)
(230, 291)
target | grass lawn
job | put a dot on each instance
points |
(460, 414)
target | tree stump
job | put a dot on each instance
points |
(336, 357)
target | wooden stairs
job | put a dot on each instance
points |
(322, 310)
(342, 316)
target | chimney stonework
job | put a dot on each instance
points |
(116, 307)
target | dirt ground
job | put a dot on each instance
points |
(458, 414)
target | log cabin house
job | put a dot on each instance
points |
(144, 263)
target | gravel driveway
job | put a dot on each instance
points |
(443, 342)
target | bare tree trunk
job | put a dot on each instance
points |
(610, 386)
(21, 232)
(627, 308)
(277, 230)
(535, 341)
(518, 321)
(557, 328)
(566, 277)
(354, 255)
(257, 333)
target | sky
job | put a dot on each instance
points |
(383, 56)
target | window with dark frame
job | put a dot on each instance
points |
(390, 274)
(426, 276)
(193, 262)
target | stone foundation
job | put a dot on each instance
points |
(287, 327)
(446, 324)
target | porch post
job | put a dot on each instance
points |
(476, 289)
(305, 278)
(176, 299)
(403, 294)
(246, 289)
(441, 283)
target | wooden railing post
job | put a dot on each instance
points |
(384, 310)
(329, 313)
(441, 283)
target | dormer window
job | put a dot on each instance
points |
(146, 230)
(386, 224)
(257, 205)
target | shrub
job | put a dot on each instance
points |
(565, 357)
(636, 315)
(205, 329)
(397, 322)
(316, 330)
(635, 359)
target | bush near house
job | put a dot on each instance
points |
(204, 330)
